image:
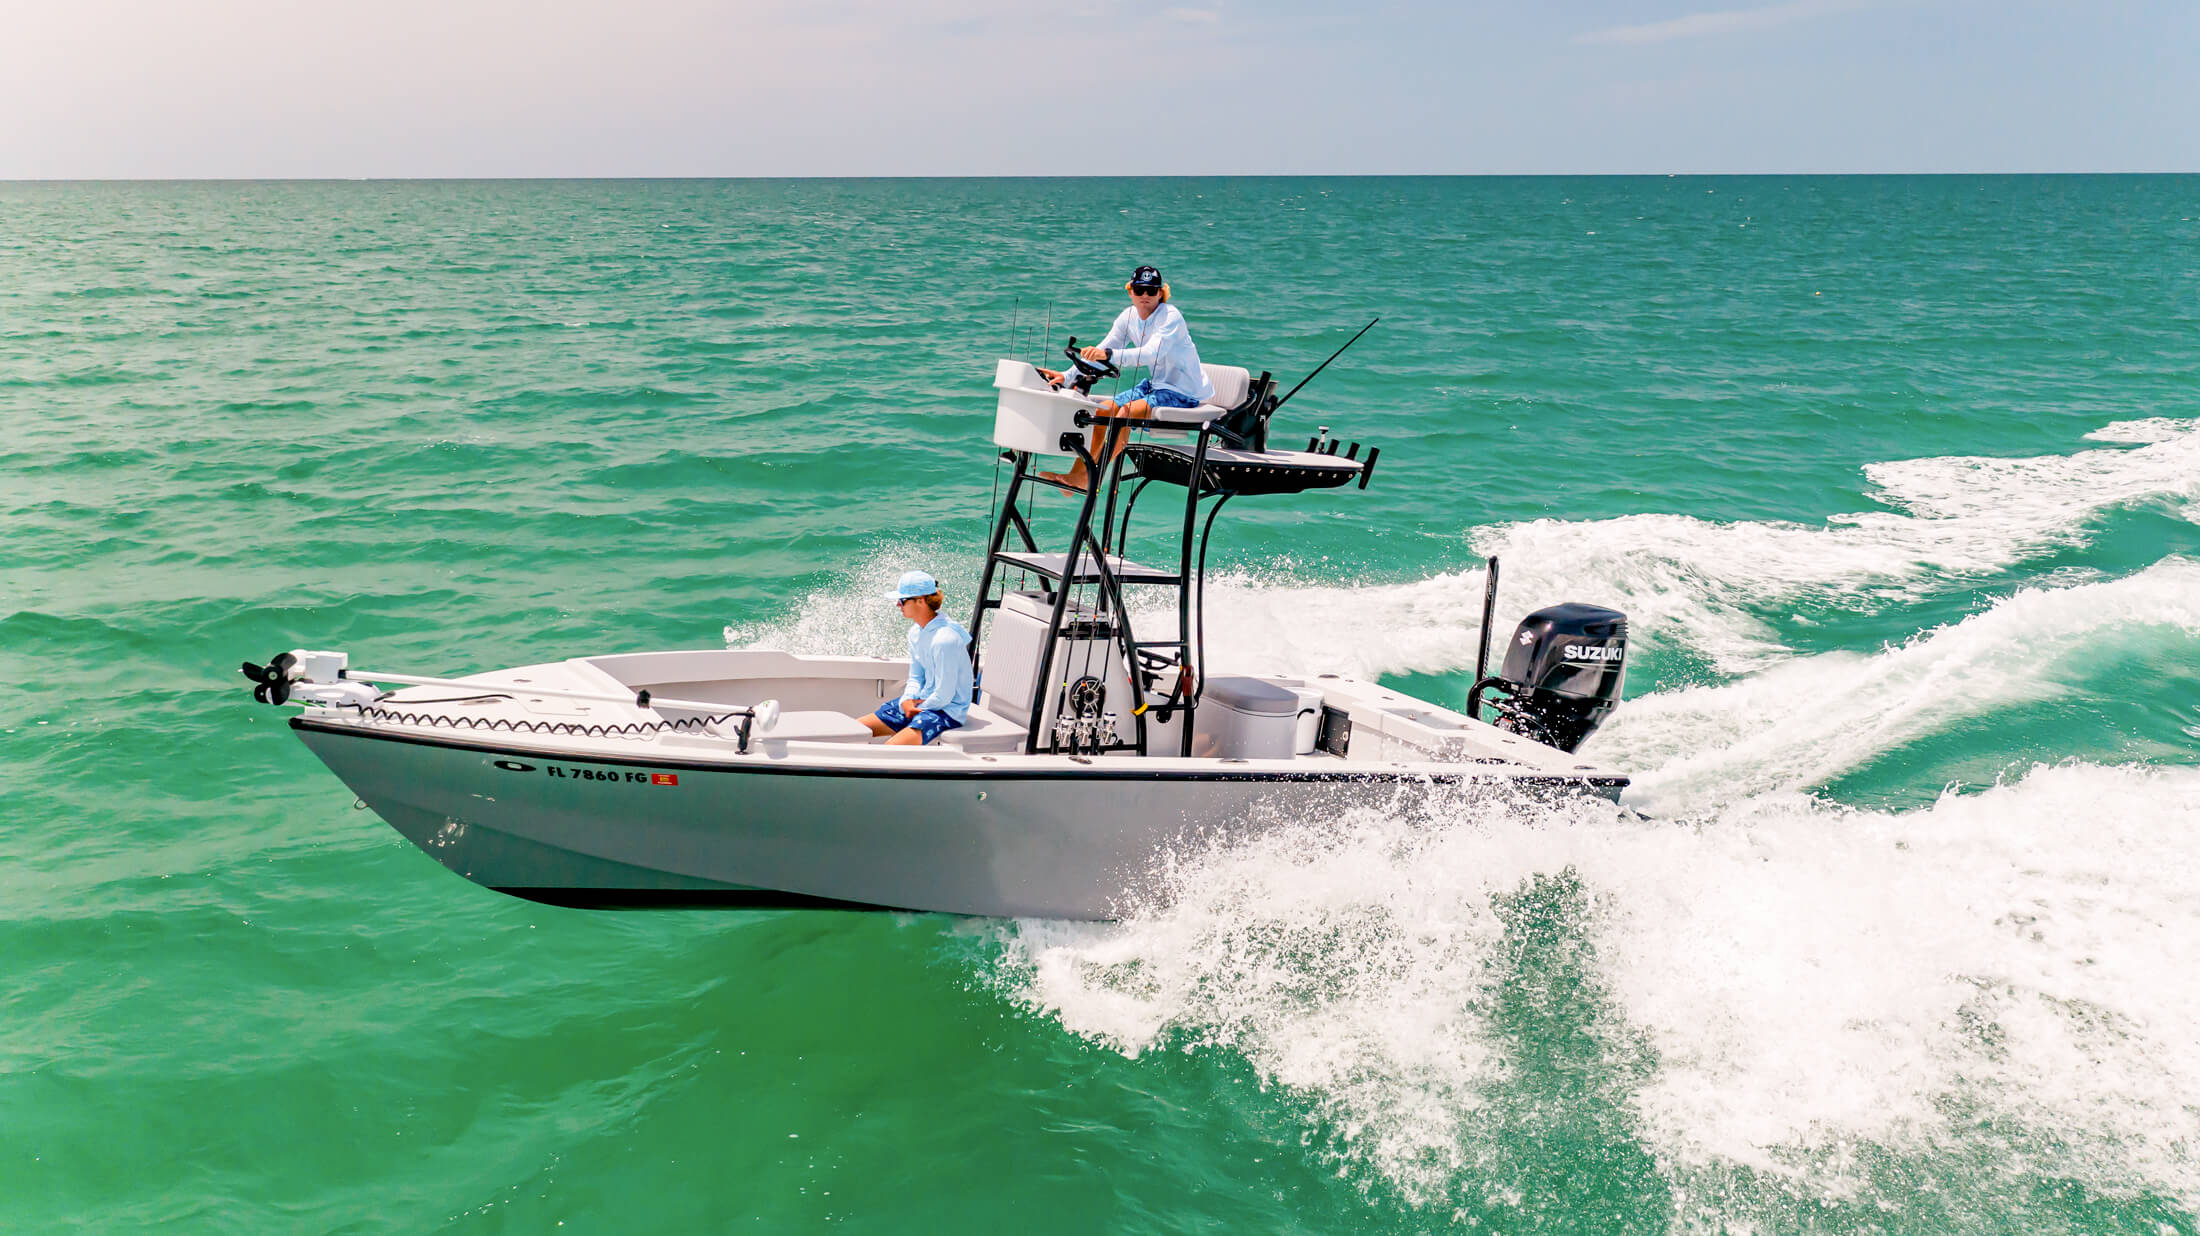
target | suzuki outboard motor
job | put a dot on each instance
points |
(1563, 671)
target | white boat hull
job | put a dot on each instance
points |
(1067, 840)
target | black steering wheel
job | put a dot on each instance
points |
(1089, 371)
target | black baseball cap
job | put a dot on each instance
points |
(1146, 277)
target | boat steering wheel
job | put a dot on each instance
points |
(1090, 371)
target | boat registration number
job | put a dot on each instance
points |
(606, 776)
(613, 775)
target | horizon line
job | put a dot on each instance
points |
(438, 179)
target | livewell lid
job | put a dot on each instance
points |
(1252, 696)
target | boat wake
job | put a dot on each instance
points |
(1786, 998)
(1801, 722)
(1684, 582)
(1706, 586)
(1779, 1001)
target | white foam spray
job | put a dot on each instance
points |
(1683, 582)
(1704, 585)
(1804, 721)
(1813, 978)
(854, 616)
(2014, 971)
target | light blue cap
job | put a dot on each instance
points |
(916, 584)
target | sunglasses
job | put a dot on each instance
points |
(1145, 291)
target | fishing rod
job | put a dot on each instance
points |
(1325, 364)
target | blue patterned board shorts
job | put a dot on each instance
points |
(1158, 396)
(930, 722)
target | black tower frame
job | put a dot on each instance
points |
(1088, 561)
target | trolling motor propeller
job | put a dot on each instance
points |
(273, 678)
(310, 678)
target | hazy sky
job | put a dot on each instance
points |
(228, 88)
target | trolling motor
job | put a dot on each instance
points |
(318, 677)
(327, 678)
(1562, 674)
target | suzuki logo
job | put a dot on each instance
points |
(1595, 652)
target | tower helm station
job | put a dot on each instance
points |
(1062, 656)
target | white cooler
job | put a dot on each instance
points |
(1248, 719)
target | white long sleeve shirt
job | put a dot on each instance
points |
(939, 667)
(1161, 345)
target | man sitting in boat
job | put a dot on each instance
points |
(936, 698)
(1150, 334)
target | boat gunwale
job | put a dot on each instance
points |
(1411, 774)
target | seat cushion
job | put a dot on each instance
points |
(816, 727)
(1230, 383)
(983, 733)
(1186, 418)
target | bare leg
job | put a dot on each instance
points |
(1075, 478)
(1118, 437)
(877, 727)
(907, 738)
(1137, 410)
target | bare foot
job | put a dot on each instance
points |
(1068, 480)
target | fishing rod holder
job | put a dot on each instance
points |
(1326, 445)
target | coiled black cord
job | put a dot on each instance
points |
(521, 725)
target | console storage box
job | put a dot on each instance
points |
(1245, 719)
(1031, 416)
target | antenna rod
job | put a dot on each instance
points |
(1325, 364)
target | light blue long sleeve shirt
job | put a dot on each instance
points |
(1161, 345)
(939, 667)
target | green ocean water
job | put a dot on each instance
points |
(1899, 479)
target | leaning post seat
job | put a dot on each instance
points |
(1231, 386)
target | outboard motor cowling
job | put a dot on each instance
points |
(1563, 669)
